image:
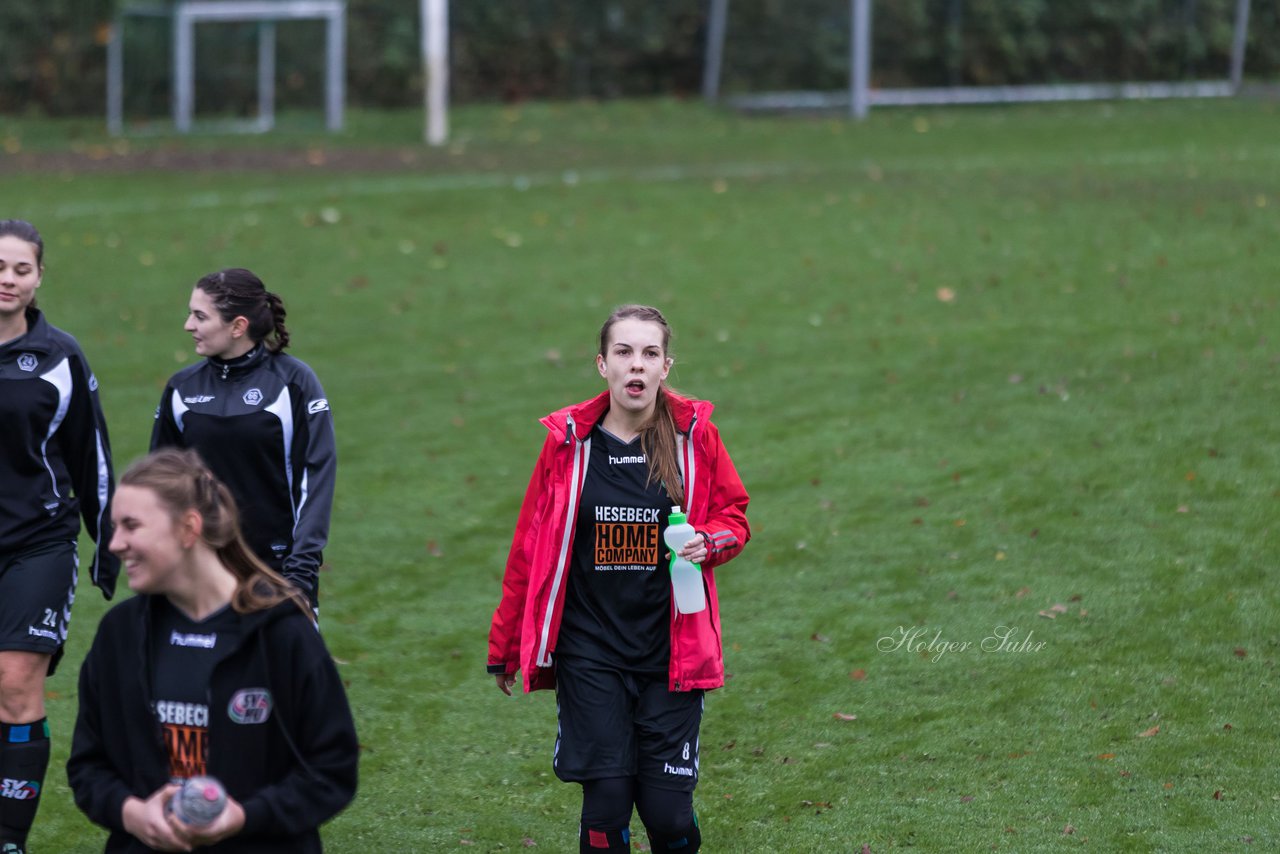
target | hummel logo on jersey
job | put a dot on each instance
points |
(28, 362)
(19, 790)
(93, 382)
(253, 396)
(202, 641)
(621, 461)
(199, 398)
(678, 770)
(318, 405)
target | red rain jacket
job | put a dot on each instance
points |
(527, 620)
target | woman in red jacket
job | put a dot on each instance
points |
(586, 598)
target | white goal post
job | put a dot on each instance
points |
(186, 14)
(861, 97)
(435, 69)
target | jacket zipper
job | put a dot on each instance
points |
(579, 452)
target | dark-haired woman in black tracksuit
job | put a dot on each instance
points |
(55, 469)
(260, 420)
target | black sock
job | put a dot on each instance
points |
(669, 819)
(24, 759)
(689, 843)
(595, 841)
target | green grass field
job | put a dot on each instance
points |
(985, 372)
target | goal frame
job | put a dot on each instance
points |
(861, 96)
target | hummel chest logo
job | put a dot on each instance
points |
(628, 460)
(28, 362)
(198, 398)
(253, 396)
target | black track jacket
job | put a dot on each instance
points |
(289, 759)
(54, 445)
(262, 425)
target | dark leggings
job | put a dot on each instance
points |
(667, 814)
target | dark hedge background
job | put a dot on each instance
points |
(53, 55)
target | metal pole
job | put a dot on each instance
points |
(717, 22)
(335, 55)
(860, 58)
(184, 61)
(1238, 42)
(435, 67)
(115, 78)
(266, 75)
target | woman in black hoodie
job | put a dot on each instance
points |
(216, 669)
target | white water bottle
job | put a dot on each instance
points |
(686, 577)
(199, 801)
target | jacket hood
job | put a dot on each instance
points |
(252, 622)
(585, 415)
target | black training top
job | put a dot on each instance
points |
(184, 652)
(55, 458)
(262, 425)
(617, 606)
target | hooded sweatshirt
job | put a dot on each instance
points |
(281, 737)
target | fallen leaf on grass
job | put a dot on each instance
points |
(1241, 652)
(1106, 756)
(858, 674)
(844, 716)
(819, 638)
(1226, 726)
(966, 799)
(1048, 615)
(1068, 830)
(1217, 794)
(1150, 732)
(528, 843)
(1059, 608)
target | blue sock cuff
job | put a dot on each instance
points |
(23, 733)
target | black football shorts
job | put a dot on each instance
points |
(37, 587)
(615, 723)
